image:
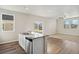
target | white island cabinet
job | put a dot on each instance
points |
(33, 43)
(22, 40)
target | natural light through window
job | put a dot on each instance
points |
(7, 23)
(71, 23)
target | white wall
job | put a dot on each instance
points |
(24, 23)
(50, 26)
(61, 30)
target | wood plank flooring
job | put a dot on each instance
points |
(54, 46)
(11, 48)
(60, 46)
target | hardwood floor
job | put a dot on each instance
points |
(60, 46)
(54, 46)
(11, 48)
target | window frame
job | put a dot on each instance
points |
(71, 22)
(37, 23)
(11, 21)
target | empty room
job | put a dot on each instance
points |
(39, 29)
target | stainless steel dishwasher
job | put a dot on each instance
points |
(28, 45)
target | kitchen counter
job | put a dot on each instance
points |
(37, 43)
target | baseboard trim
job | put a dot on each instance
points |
(8, 41)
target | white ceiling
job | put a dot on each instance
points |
(45, 10)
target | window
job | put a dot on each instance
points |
(7, 22)
(67, 23)
(74, 24)
(71, 23)
(7, 17)
(38, 26)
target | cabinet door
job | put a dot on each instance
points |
(22, 41)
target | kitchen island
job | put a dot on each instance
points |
(37, 44)
(34, 43)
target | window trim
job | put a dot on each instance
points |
(71, 19)
(12, 22)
